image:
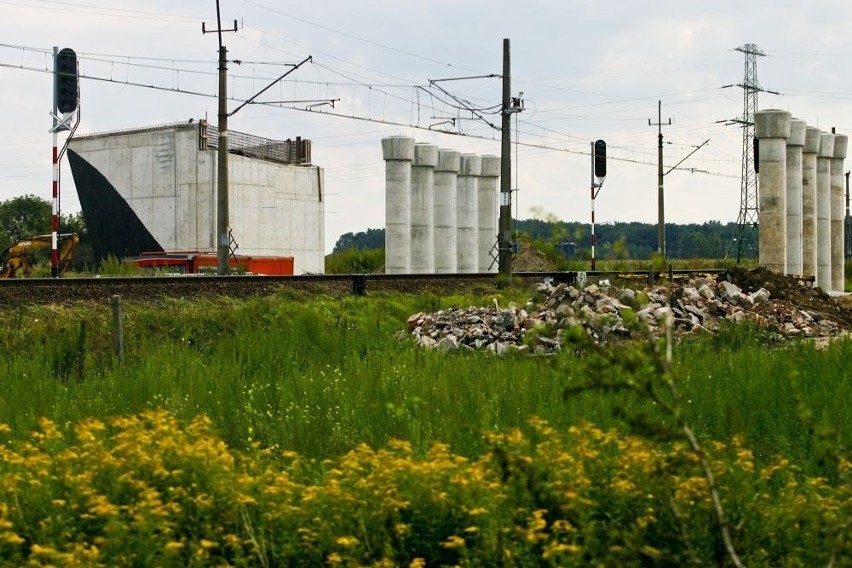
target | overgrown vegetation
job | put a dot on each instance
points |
(615, 241)
(28, 215)
(355, 261)
(288, 431)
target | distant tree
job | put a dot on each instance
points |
(31, 215)
(371, 239)
(84, 256)
(22, 216)
(615, 240)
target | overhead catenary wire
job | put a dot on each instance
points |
(555, 143)
(340, 115)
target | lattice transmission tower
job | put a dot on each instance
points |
(744, 241)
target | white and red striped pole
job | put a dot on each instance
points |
(593, 228)
(598, 155)
(54, 222)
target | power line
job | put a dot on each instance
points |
(565, 149)
(102, 11)
(345, 34)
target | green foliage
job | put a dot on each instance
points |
(355, 261)
(68, 357)
(635, 240)
(308, 400)
(112, 266)
(30, 215)
(615, 241)
(365, 240)
(23, 216)
(148, 490)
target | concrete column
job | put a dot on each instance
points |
(487, 213)
(809, 192)
(795, 145)
(422, 208)
(826, 152)
(470, 166)
(838, 212)
(772, 127)
(446, 190)
(398, 152)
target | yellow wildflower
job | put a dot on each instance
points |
(12, 538)
(562, 525)
(246, 499)
(207, 544)
(555, 548)
(334, 558)
(453, 542)
(39, 550)
(174, 545)
(347, 541)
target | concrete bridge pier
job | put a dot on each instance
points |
(826, 152)
(795, 145)
(467, 257)
(446, 195)
(809, 193)
(772, 128)
(487, 212)
(838, 212)
(398, 152)
(422, 208)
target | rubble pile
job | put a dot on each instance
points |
(605, 312)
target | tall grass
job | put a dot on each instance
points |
(323, 375)
(355, 261)
(219, 403)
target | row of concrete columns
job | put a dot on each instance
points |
(800, 185)
(440, 209)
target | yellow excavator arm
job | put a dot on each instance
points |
(17, 255)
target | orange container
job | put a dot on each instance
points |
(196, 262)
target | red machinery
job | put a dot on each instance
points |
(194, 262)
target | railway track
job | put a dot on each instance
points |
(60, 290)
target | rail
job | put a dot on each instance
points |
(50, 290)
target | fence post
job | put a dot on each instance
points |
(359, 284)
(117, 328)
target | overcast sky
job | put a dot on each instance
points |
(587, 70)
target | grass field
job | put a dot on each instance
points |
(329, 384)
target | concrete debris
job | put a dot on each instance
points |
(605, 312)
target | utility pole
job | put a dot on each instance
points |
(504, 244)
(661, 207)
(222, 221)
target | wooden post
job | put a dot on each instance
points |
(117, 328)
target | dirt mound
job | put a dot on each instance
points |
(530, 259)
(792, 291)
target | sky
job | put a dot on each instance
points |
(584, 70)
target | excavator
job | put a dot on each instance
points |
(17, 255)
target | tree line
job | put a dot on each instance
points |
(29, 215)
(619, 240)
